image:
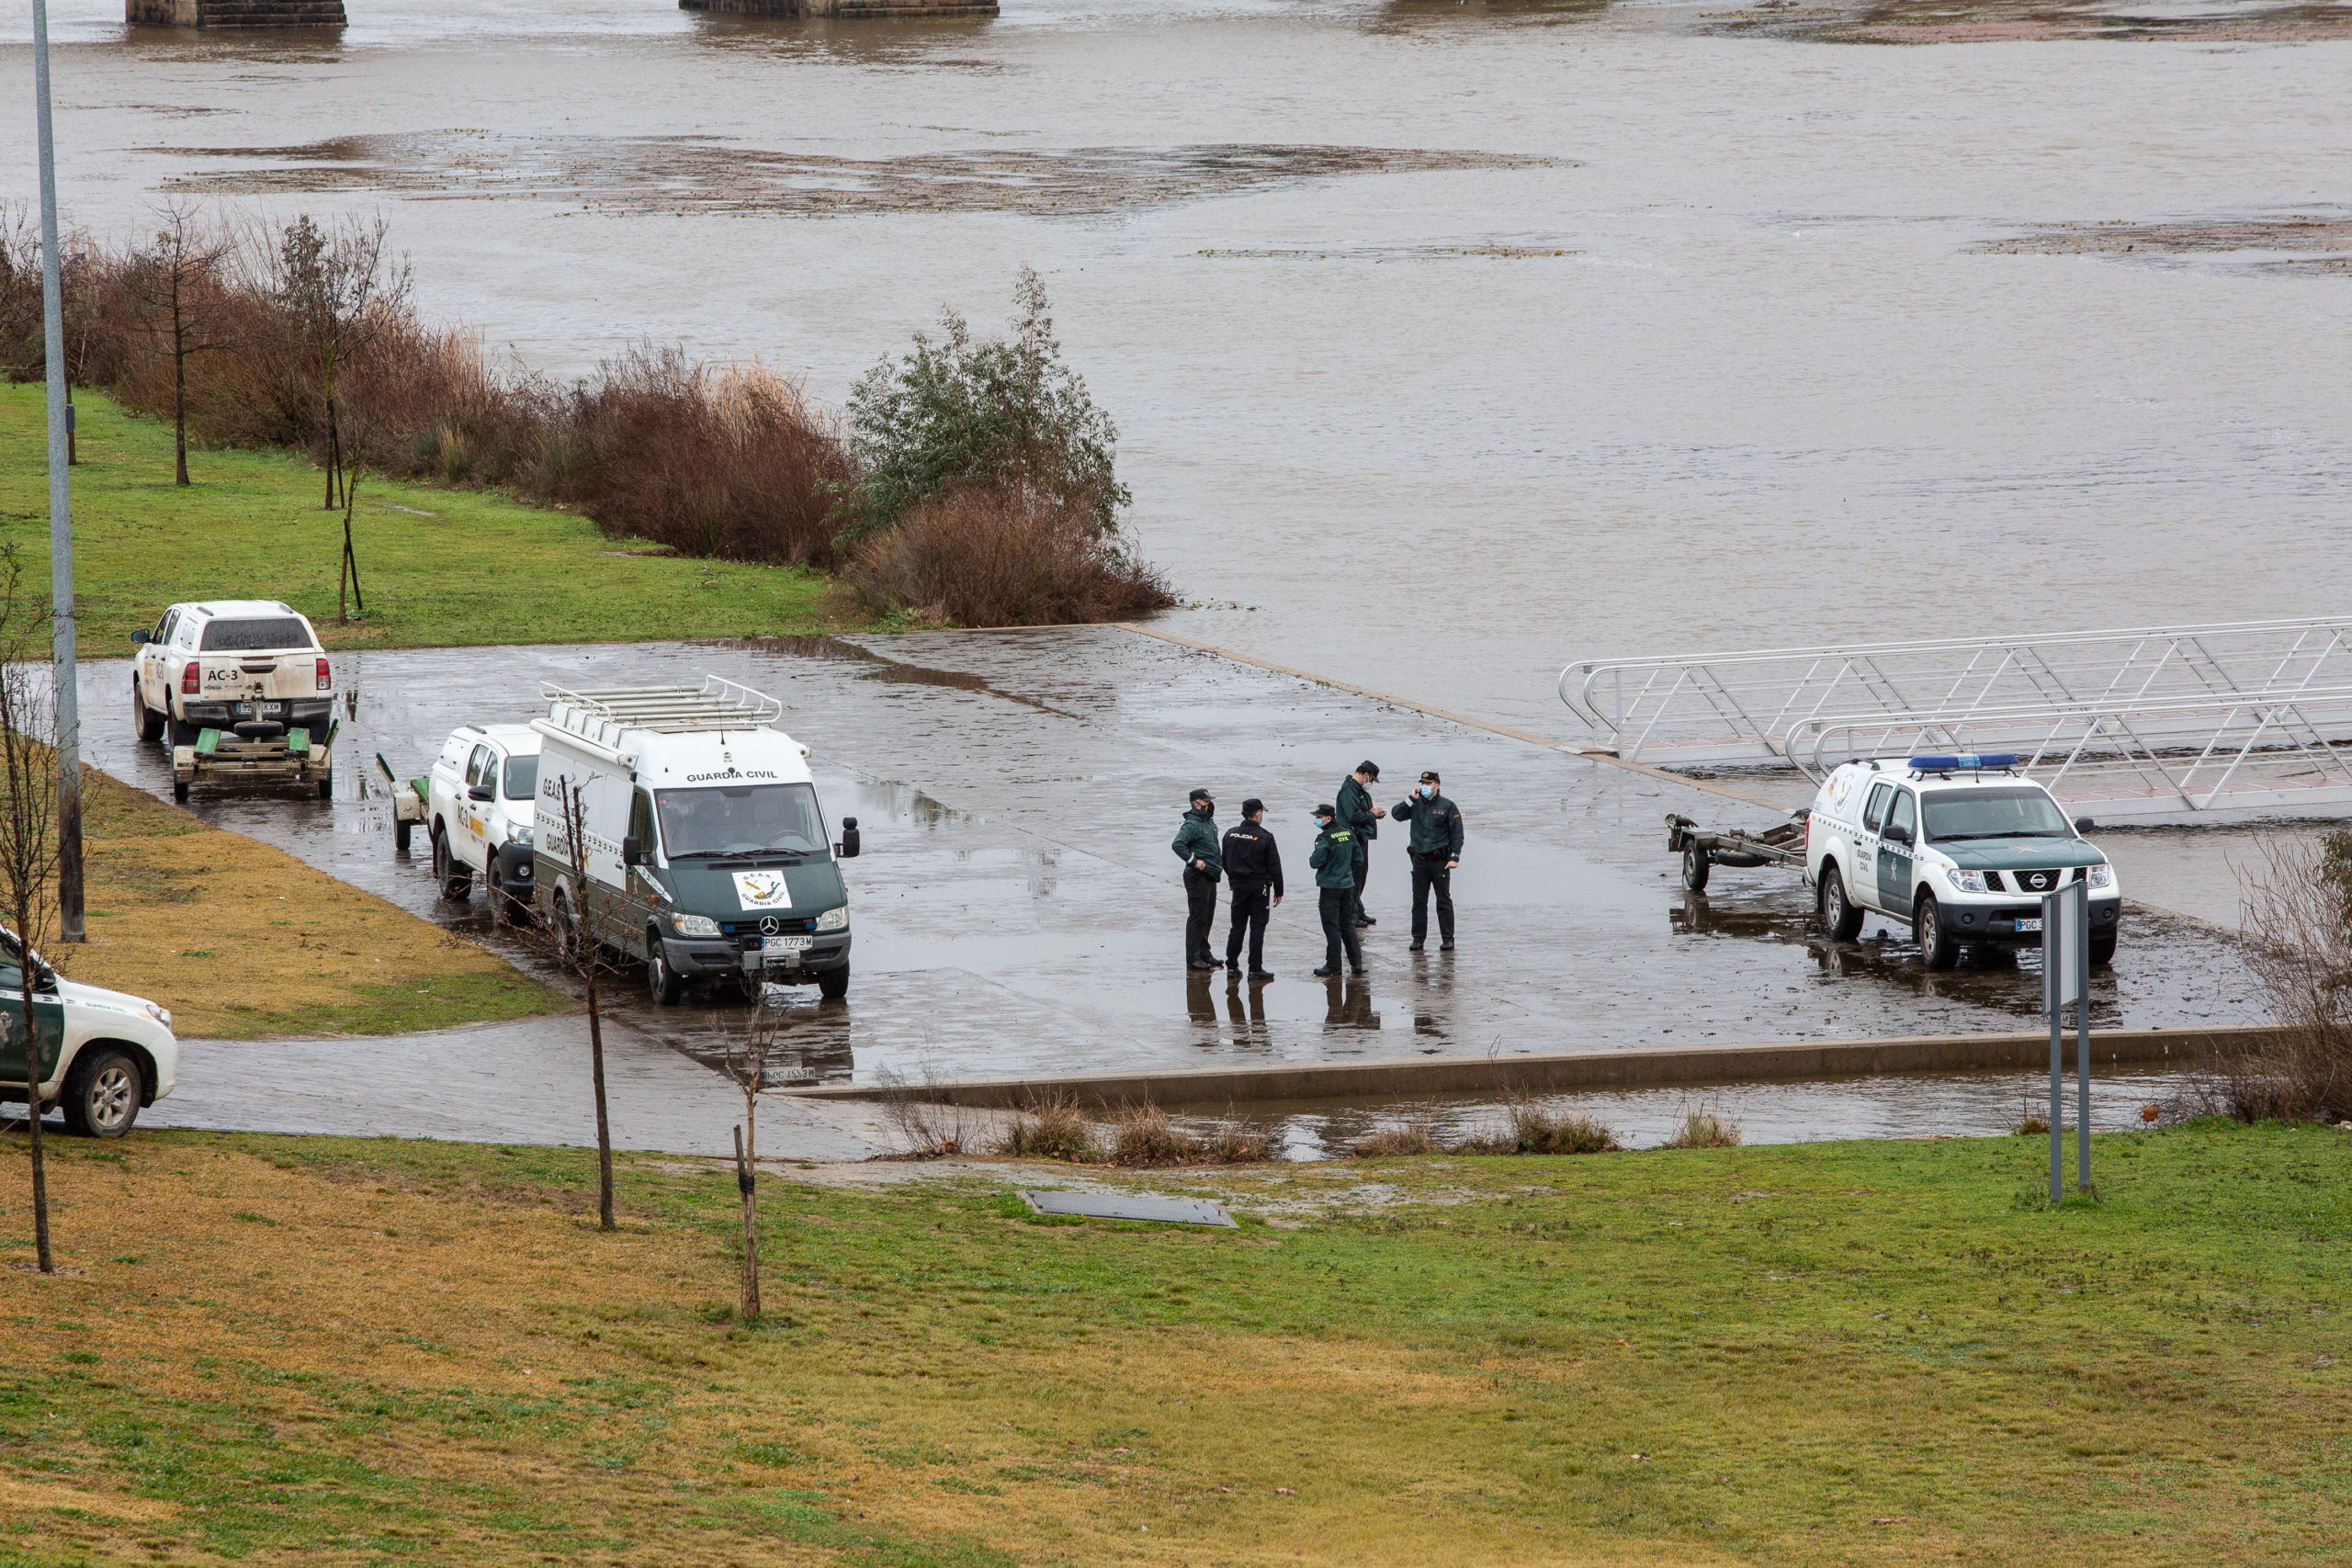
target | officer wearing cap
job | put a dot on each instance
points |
(1253, 869)
(1196, 846)
(1361, 817)
(1334, 860)
(1435, 849)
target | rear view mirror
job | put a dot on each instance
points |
(847, 848)
(1900, 835)
(2084, 824)
(138, 637)
(480, 792)
(632, 852)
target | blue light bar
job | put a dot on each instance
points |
(1963, 761)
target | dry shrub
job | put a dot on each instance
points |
(1144, 1135)
(1703, 1129)
(985, 555)
(2297, 929)
(1416, 1133)
(1535, 1131)
(1051, 1129)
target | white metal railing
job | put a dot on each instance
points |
(714, 704)
(2266, 754)
(1747, 706)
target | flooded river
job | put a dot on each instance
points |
(1447, 341)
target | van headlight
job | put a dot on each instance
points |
(694, 925)
(1966, 880)
(834, 920)
(2101, 875)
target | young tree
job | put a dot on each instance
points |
(175, 292)
(569, 938)
(27, 844)
(344, 290)
(347, 571)
(746, 1062)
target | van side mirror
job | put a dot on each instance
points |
(139, 637)
(2084, 824)
(847, 848)
(632, 852)
(480, 792)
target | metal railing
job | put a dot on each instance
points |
(714, 704)
(2004, 691)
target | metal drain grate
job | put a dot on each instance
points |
(1119, 1206)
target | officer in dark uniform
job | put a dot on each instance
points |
(1196, 846)
(1435, 850)
(1253, 868)
(1361, 817)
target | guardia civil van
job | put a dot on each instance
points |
(703, 849)
(1959, 848)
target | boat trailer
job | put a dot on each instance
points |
(1702, 849)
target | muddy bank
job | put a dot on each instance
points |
(1991, 21)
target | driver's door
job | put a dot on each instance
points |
(49, 1026)
(1895, 846)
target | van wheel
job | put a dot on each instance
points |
(144, 719)
(1695, 866)
(567, 935)
(1839, 914)
(662, 982)
(833, 984)
(1937, 944)
(457, 882)
(102, 1096)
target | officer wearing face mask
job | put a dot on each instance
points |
(1435, 850)
(1197, 846)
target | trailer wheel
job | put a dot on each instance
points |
(326, 788)
(179, 791)
(1695, 865)
(1837, 911)
(400, 834)
(1937, 944)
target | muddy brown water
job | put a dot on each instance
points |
(1017, 911)
(1447, 343)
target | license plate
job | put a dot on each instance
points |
(262, 710)
(784, 943)
(2028, 925)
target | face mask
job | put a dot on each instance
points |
(1428, 790)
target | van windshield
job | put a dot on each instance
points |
(740, 820)
(254, 636)
(2022, 813)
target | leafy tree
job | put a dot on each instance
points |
(956, 410)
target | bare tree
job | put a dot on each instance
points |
(569, 938)
(749, 1047)
(345, 289)
(347, 574)
(2298, 929)
(175, 292)
(27, 844)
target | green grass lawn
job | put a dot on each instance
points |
(352, 1351)
(441, 568)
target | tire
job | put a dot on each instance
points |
(102, 1095)
(179, 792)
(183, 732)
(401, 831)
(567, 932)
(145, 720)
(457, 882)
(1695, 866)
(2103, 950)
(1937, 944)
(1840, 915)
(326, 788)
(833, 984)
(662, 982)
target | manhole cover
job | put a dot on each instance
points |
(1118, 1206)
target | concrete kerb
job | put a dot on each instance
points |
(1414, 1077)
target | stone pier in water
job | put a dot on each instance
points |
(233, 13)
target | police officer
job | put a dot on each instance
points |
(1361, 817)
(1196, 846)
(1253, 868)
(1435, 850)
(1334, 860)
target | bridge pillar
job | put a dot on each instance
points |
(233, 13)
(846, 9)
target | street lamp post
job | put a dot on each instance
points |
(61, 516)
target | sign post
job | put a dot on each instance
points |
(2066, 978)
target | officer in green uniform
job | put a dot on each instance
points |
(1361, 818)
(1435, 850)
(1334, 860)
(1196, 845)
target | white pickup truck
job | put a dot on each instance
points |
(250, 675)
(1959, 848)
(481, 795)
(103, 1055)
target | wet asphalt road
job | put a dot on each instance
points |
(1017, 909)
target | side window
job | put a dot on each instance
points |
(163, 630)
(1875, 812)
(1904, 819)
(475, 764)
(641, 821)
(184, 633)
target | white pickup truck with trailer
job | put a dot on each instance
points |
(1960, 848)
(479, 803)
(103, 1055)
(244, 689)
(705, 849)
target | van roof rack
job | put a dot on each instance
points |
(714, 705)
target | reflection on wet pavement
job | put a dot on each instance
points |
(1017, 911)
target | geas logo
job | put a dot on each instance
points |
(762, 890)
